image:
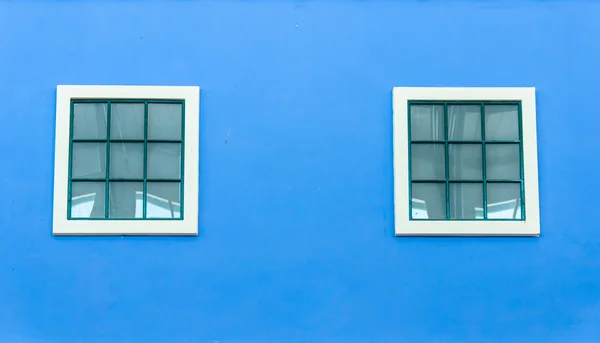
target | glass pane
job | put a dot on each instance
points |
(89, 121)
(126, 200)
(466, 162)
(87, 199)
(127, 160)
(89, 160)
(127, 121)
(427, 162)
(503, 162)
(164, 160)
(163, 200)
(464, 122)
(466, 201)
(504, 201)
(501, 122)
(428, 201)
(164, 121)
(427, 122)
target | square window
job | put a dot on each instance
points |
(132, 158)
(120, 167)
(465, 161)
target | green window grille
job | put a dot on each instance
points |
(126, 160)
(466, 160)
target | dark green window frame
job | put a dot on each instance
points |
(446, 142)
(108, 140)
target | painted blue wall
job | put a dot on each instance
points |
(296, 239)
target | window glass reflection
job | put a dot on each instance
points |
(127, 121)
(89, 121)
(87, 199)
(427, 122)
(419, 209)
(429, 200)
(163, 200)
(510, 209)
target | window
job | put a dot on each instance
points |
(465, 161)
(126, 160)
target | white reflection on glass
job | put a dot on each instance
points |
(419, 209)
(430, 200)
(87, 199)
(163, 199)
(162, 208)
(82, 205)
(156, 207)
(510, 209)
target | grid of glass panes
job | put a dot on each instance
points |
(126, 159)
(466, 161)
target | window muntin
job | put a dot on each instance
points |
(130, 150)
(465, 160)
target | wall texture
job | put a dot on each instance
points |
(296, 240)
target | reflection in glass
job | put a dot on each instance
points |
(503, 162)
(466, 162)
(164, 160)
(464, 199)
(127, 160)
(503, 201)
(427, 122)
(163, 200)
(123, 200)
(127, 121)
(464, 122)
(501, 122)
(164, 121)
(87, 199)
(89, 160)
(428, 201)
(89, 121)
(428, 161)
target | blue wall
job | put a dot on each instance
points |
(296, 236)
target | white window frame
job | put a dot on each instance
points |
(189, 224)
(406, 227)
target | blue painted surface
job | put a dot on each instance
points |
(296, 240)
